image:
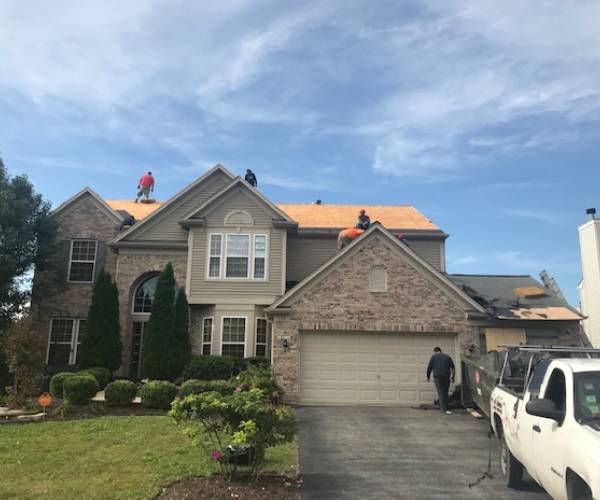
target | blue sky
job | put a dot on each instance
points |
(482, 114)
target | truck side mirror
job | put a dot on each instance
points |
(544, 408)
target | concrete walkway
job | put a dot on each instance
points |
(398, 453)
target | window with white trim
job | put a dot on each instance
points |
(237, 256)
(233, 337)
(214, 259)
(207, 333)
(263, 334)
(260, 256)
(64, 340)
(144, 295)
(238, 252)
(82, 260)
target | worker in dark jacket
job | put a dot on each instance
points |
(363, 220)
(442, 367)
(251, 178)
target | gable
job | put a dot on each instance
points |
(86, 197)
(405, 275)
(163, 224)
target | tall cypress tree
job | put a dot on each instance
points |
(181, 330)
(160, 352)
(101, 344)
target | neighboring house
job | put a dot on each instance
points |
(355, 326)
(589, 288)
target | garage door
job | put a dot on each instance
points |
(368, 368)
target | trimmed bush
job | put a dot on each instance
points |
(242, 364)
(209, 368)
(102, 375)
(120, 393)
(182, 335)
(194, 386)
(57, 383)
(79, 389)
(158, 394)
(259, 377)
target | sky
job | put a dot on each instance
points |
(482, 114)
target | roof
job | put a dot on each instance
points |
(400, 247)
(138, 210)
(318, 216)
(517, 297)
(578, 365)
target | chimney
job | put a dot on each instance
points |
(591, 213)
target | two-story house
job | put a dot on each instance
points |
(350, 326)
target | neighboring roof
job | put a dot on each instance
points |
(343, 216)
(90, 192)
(377, 229)
(239, 182)
(515, 297)
(138, 210)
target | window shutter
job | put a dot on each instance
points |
(65, 256)
(100, 258)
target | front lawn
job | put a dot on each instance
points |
(108, 457)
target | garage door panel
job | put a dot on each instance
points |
(368, 368)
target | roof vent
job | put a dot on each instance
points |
(591, 213)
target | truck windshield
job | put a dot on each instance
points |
(587, 396)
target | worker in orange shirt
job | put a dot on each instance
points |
(145, 186)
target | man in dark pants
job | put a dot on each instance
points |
(443, 370)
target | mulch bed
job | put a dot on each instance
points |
(266, 487)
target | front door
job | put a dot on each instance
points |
(137, 339)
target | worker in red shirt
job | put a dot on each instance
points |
(145, 186)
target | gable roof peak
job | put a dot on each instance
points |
(95, 196)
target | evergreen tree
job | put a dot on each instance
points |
(181, 330)
(101, 344)
(160, 348)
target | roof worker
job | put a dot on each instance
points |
(442, 367)
(364, 220)
(251, 178)
(145, 186)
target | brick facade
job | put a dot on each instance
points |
(341, 302)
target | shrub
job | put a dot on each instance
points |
(101, 345)
(259, 377)
(102, 375)
(158, 394)
(194, 386)
(183, 347)
(209, 368)
(234, 425)
(57, 383)
(79, 389)
(120, 393)
(242, 364)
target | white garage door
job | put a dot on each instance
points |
(368, 368)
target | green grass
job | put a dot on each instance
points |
(107, 457)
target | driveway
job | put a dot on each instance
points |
(397, 453)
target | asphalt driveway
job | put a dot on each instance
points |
(397, 453)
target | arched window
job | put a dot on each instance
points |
(144, 294)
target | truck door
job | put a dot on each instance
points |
(549, 436)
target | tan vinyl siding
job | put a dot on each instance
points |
(236, 200)
(307, 254)
(166, 227)
(429, 250)
(204, 290)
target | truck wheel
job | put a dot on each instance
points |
(512, 469)
(577, 489)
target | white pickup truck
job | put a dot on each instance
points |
(546, 412)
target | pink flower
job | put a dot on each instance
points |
(238, 389)
(215, 455)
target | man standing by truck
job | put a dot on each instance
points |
(442, 367)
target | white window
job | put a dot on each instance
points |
(238, 256)
(214, 259)
(82, 261)
(238, 251)
(207, 333)
(263, 334)
(233, 337)
(260, 256)
(144, 295)
(64, 340)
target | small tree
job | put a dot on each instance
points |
(160, 352)
(182, 335)
(25, 351)
(101, 345)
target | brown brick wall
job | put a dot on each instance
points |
(342, 302)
